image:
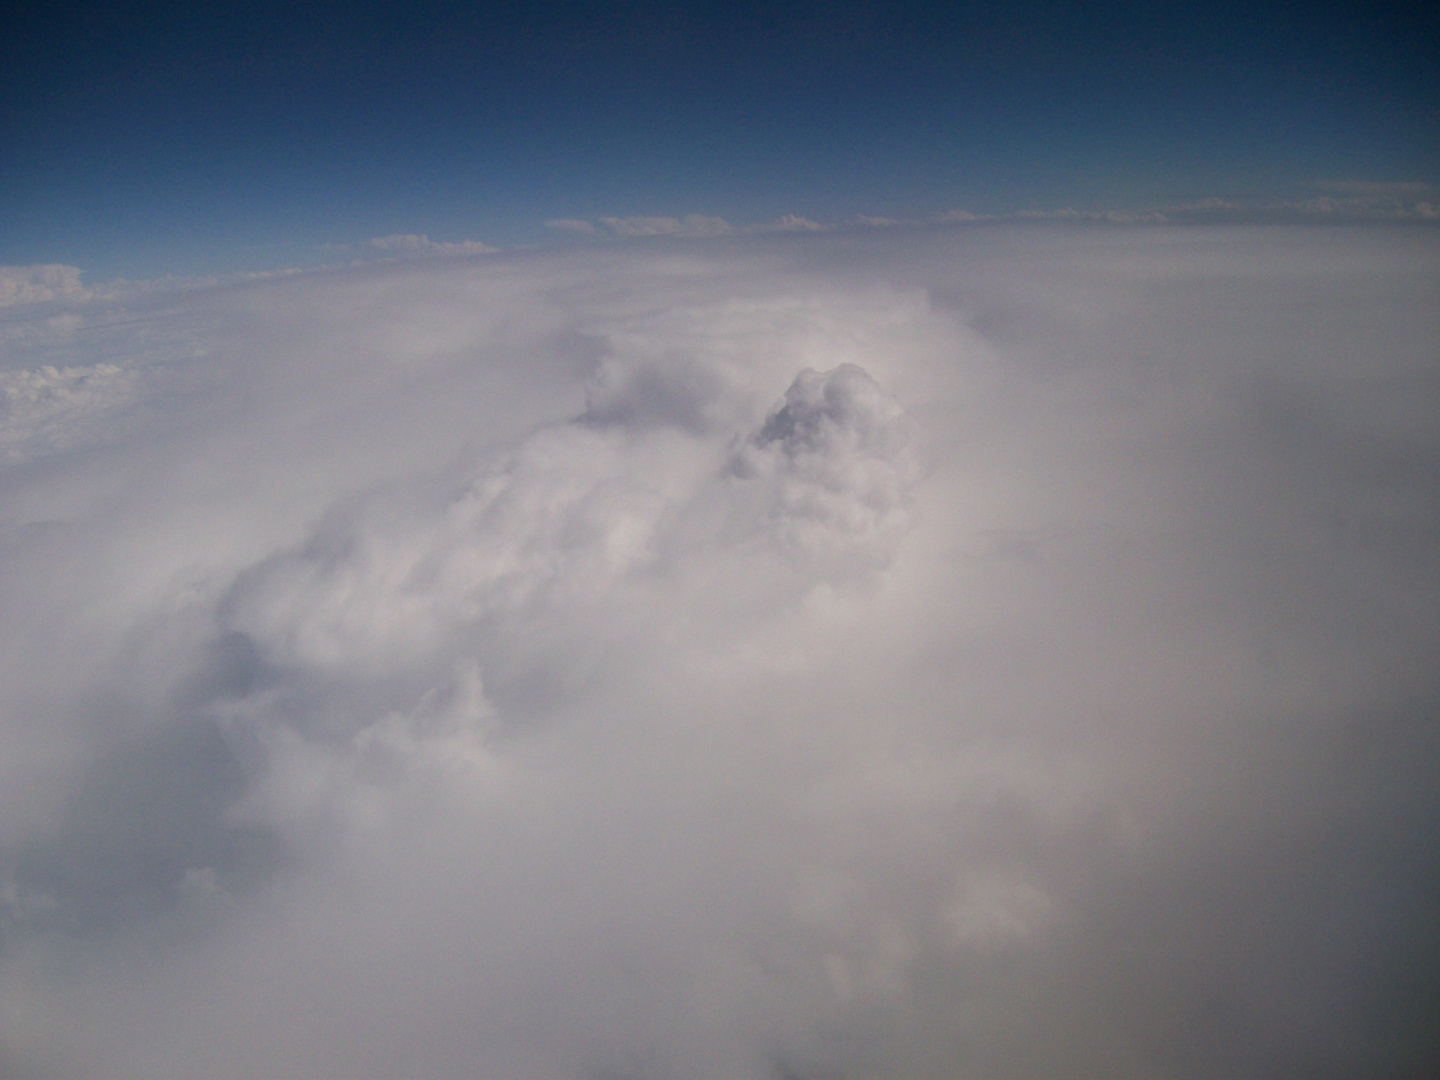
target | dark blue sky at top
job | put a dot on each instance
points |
(148, 138)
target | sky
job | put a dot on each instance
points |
(644, 543)
(149, 139)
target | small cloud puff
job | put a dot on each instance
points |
(412, 245)
(37, 284)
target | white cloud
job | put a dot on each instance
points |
(36, 284)
(1110, 217)
(1211, 205)
(1347, 200)
(690, 225)
(571, 225)
(1358, 200)
(49, 408)
(959, 215)
(793, 223)
(410, 244)
(915, 653)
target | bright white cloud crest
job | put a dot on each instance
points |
(894, 655)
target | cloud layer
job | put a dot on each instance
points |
(896, 654)
(1340, 201)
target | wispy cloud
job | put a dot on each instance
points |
(790, 223)
(1358, 201)
(37, 284)
(1378, 189)
(571, 225)
(961, 215)
(1363, 200)
(413, 245)
(1113, 217)
(690, 225)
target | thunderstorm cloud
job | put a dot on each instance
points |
(935, 653)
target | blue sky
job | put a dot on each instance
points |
(143, 139)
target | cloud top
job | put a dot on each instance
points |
(927, 653)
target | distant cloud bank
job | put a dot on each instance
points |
(692, 225)
(1360, 201)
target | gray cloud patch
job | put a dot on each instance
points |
(895, 654)
(149, 820)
